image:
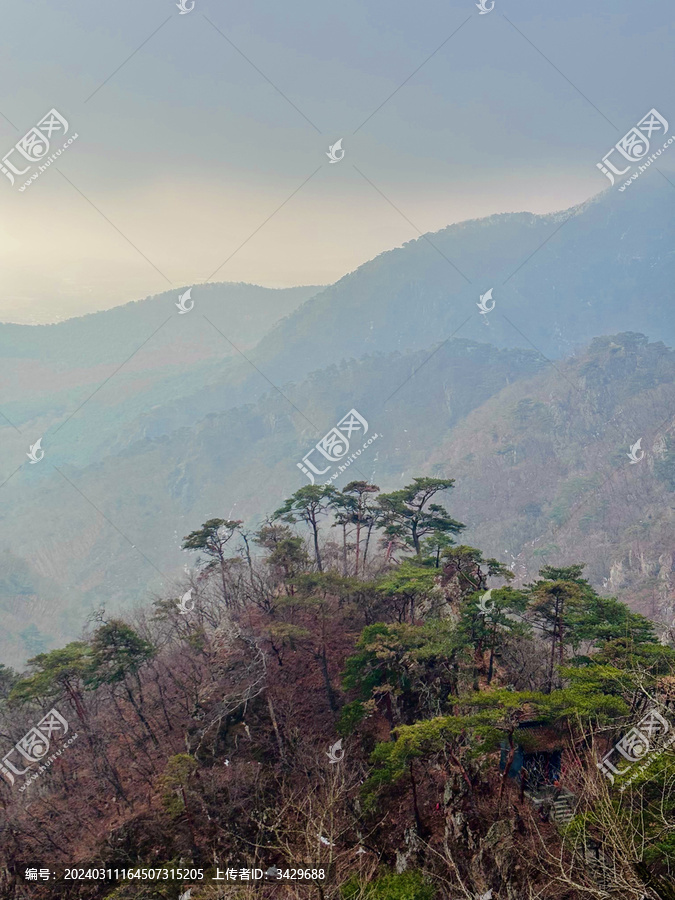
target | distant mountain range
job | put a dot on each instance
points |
(558, 281)
(184, 417)
(154, 353)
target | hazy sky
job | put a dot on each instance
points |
(188, 148)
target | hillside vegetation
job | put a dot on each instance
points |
(351, 684)
(540, 454)
(148, 417)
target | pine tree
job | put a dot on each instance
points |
(211, 539)
(408, 514)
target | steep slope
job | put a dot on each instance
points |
(539, 454)
(112, 530)
(605, 266)
(544, 473)
(181, 426)
(558, 280)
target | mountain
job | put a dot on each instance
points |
(149, 352)
(539, 454)
(398, 736)
(152, 421)
(111, 530)
(544, 472)
(558, 280)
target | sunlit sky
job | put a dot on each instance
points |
(219, 119)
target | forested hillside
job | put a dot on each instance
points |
(540, 453)
(350, 685)
(147, 415)
(594, 269)
(545, 473)
(245, 458)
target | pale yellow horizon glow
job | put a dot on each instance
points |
(60, 258)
